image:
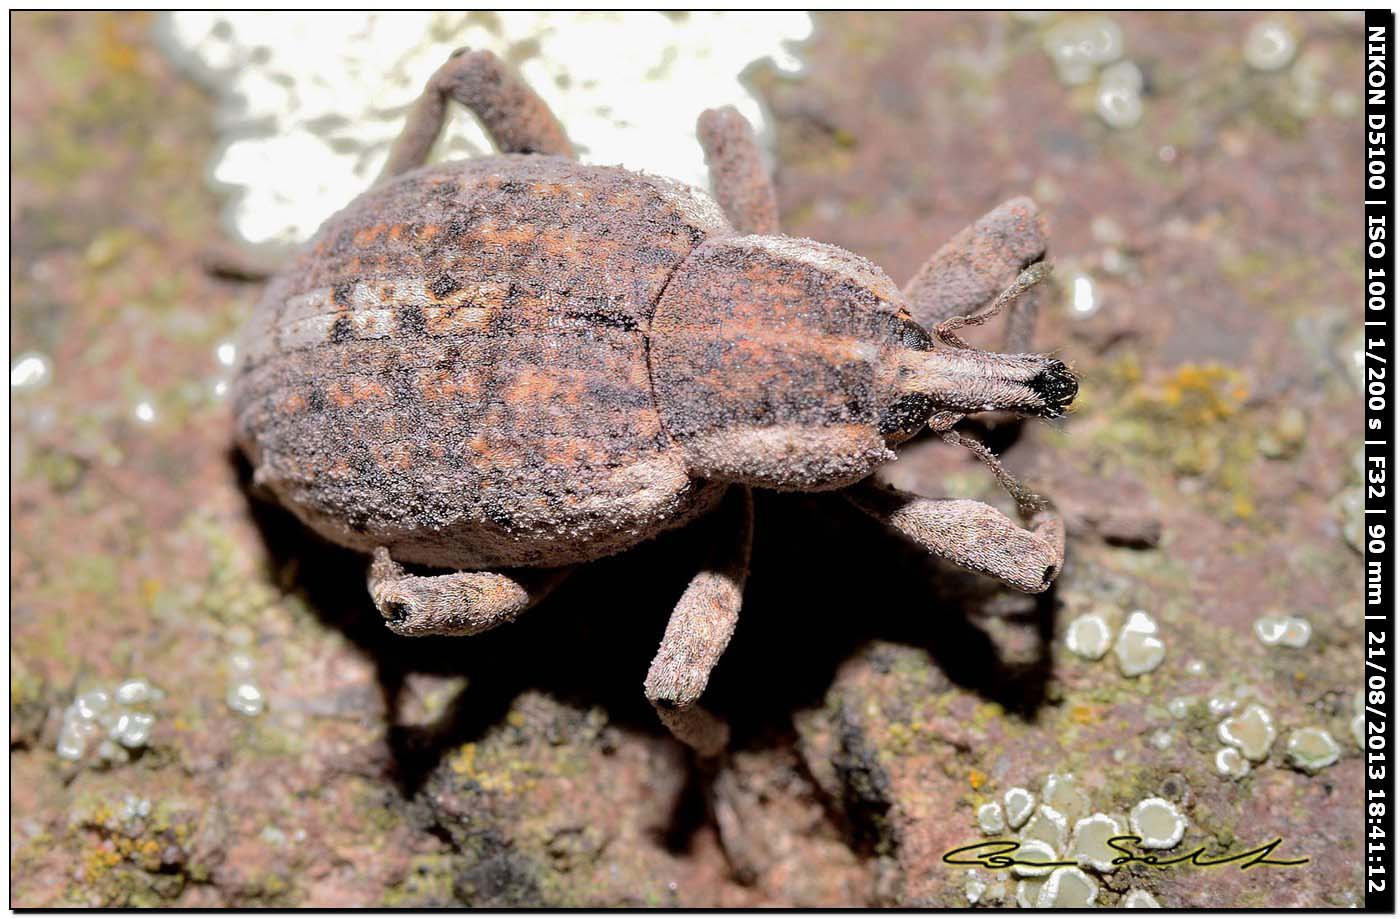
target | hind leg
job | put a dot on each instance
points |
(741, 184)
(460, 603)
(515, 117)
(978, 263)
(700, 628)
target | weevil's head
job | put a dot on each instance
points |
(788, 363)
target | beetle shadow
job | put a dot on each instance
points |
(825, 581)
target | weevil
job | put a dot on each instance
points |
(492, 370)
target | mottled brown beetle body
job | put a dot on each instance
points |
(525, 361)
(502, 367)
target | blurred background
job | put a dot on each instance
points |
(205, 709)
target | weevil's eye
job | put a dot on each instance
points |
(1057, 386)
(394, 611)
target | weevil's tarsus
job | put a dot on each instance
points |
(459, 603)
(700, 628)
(741, 183)
(513, 114)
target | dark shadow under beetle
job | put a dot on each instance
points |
(825, 581)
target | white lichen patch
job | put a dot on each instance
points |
(245, 698)
(1312, 749)
(1019, 805)
(243, 695)
(1079, 46)
(1158, 823)
(990, 818)
(1081, 301)
(1221, 705)
(1269, 45)
(974, 887)
(1118, 106)
(134, 692)
(309, 103)
(1067, 888)
(1139, 899)
(30, 370)
(1139, 649)
(1048, 826)
(114, 721)
(1289, 631)
(1251, 732)
(1088, 636)
(1090, 845)
(1230, 763)
(1062, 793)
(1028, 892)
(1034, 859)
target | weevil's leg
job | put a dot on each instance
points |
(227, 260)
(700, 628)
(742, 185)
(517, 119)
(974, 535)
(981, 260)
(460, 603)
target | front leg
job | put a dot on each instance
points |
(973, 535)
(977, 263)
(700, 628)
(460, 603)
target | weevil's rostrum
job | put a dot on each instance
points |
(503, 367)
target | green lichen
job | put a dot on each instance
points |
(427, 885)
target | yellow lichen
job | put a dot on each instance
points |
(465, 760)
(1083, 714)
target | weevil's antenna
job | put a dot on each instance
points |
(1028, 503)
(1030, 277)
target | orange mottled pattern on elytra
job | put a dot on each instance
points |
(456, 367)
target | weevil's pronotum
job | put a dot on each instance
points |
(502, 367)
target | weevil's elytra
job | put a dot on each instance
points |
(502, 367)
(475, 334)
